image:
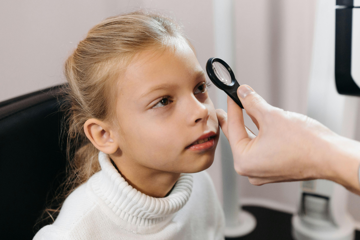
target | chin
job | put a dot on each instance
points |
(208, 164)
(201, 164)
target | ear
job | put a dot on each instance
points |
(100, 135)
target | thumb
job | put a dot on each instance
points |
(253, 103)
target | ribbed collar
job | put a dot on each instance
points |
(138, 212)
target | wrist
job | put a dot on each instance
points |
(341, 164)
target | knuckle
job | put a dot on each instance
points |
(273, 115)
(254, 99)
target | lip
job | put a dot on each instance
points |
(206, 145)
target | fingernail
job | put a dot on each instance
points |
(244, 90)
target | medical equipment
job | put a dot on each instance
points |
(322, 213)
(223, 77)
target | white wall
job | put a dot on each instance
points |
(37, 36)
(274, 40)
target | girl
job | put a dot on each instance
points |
(144, 121)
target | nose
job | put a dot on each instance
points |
(198, 112)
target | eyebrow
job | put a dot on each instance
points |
(199, 74)
(158, 87)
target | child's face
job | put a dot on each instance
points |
(162, 108)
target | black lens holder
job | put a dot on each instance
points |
(230, 89)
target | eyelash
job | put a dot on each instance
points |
(207, 84)
(159, 102)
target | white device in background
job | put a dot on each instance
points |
(322, 213)
(237, 221)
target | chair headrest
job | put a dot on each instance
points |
(32, 160)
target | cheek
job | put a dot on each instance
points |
(212, 112)
(214, 118)
(148, 139)
(160, 148)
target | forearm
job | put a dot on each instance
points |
(342, 163)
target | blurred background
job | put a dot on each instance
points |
(273, 55)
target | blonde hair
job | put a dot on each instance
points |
(91, 70)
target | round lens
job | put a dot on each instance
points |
(222, 73)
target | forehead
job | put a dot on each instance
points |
(171, 65)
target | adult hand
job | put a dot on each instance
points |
(289, 146)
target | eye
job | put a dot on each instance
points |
(202, 87)
(163, 102)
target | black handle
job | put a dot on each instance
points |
(345, 84)
(228, 89)
(232, 92)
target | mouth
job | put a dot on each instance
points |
(204, 142)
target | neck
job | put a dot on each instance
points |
(151, 182)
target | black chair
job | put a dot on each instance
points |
(32, 161)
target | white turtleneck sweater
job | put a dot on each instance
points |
(107, 207)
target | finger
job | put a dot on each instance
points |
(258, 181)
(222, 117)
(236, 126)
(253, 103)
